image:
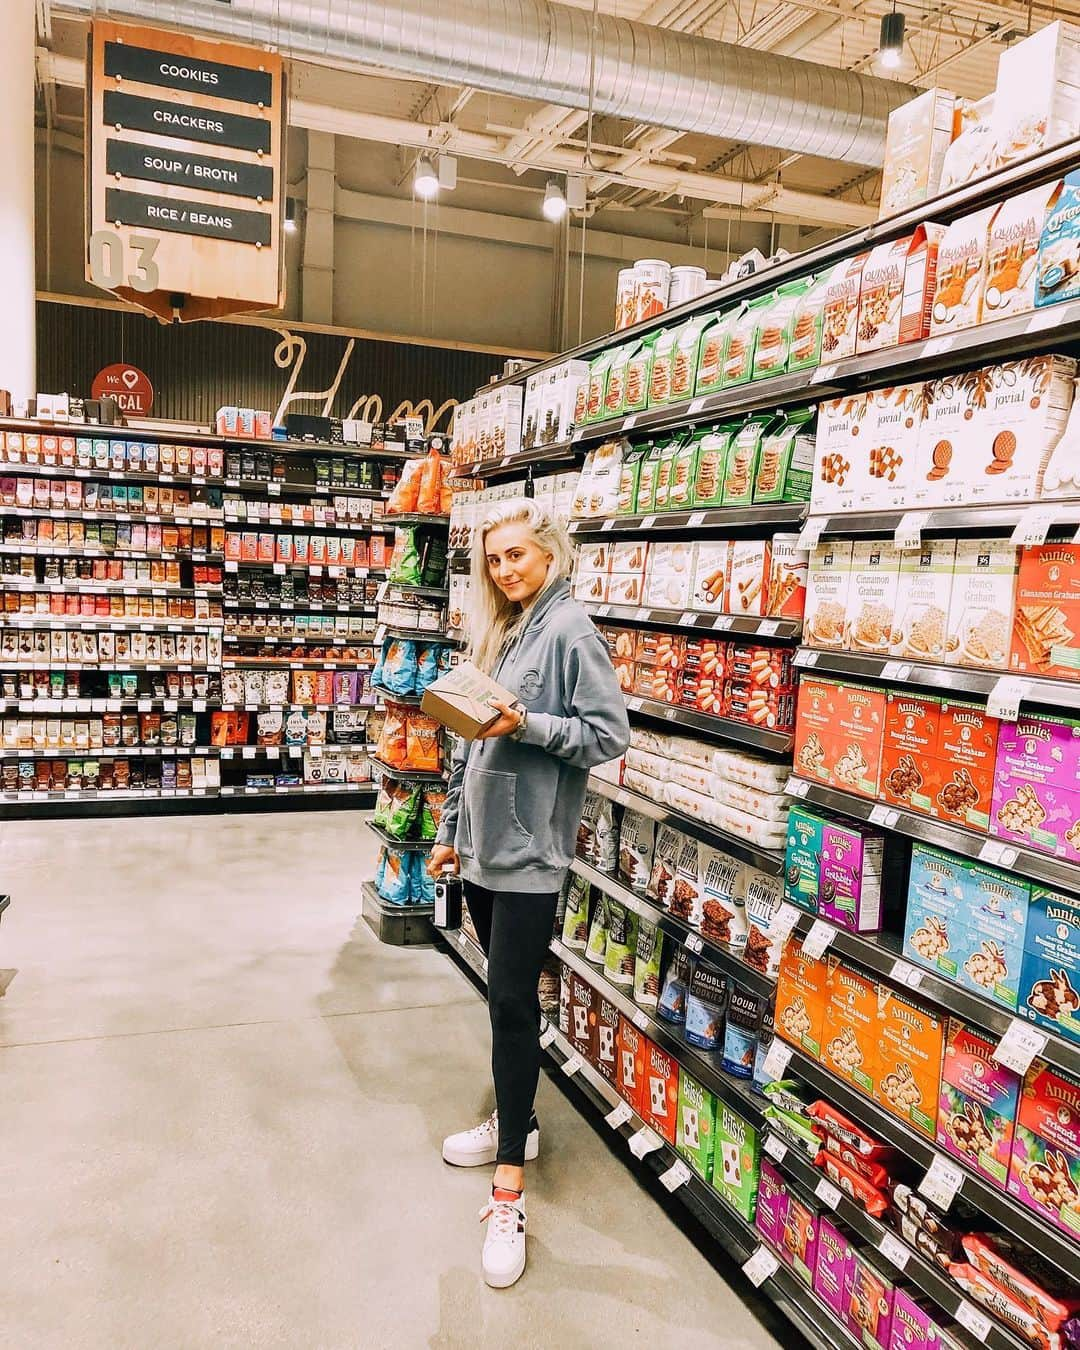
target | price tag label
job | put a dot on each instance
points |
(573, 1065)
(783, 921)
(644, 1142)
(819, 938)
(723, 622)
(1033, 526)
(603, 611)
(760, 1267)
(548, 1033)
(899, 1253)
(678, 1174)
(647, 522)
(634, 704)
(827, 1193)
(936, 346)
(694, 944)
(811, 533)
(608, 524)
(797, 787)
(823, 374)
(697, 518)
(777, 1060)
(169, 704)
(1043, 318)
(198, 705)
(884, 815)
(145, 704)
(905, 973)
(1005, 697)
(629, 422)
(686, 618)
(248, 751)
(641, 1020)
(695, 407)
(619, 1115)
(775, 1147)
(768, 627)
(991, 852)
(942, 1181)
(974, 1319)
(1019, 1046)
(231, 565)
(805, 657)
(908, 534)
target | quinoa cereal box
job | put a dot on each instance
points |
(855, 749)
(1012, 251)
(1045, 1169)
(849, 1035)
(838, 484)
(923, 593)
(787, 578)
(834, 1256)
(772, 1202)
(736, 1160)
(1050, 978)
(977, 1107)
(828, 583)
(889, 445)
(920, 131)
(840, 316)
(800, 998)
(982, 602)
(965, 764)
(910, 1047)
(696, 1126)
(1046, 625)
(881, 295)
(607, 1040)
(908, 749)
(660, 1094)
(961, 272)
(630, 1066)
(1022, 411)
(871, 601)
(584, 1017)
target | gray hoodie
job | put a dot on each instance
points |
(513, 807)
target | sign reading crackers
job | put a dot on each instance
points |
(185, 180)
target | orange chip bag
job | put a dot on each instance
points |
(404, 496)
(424, 743)
(429, 499)
(393, 739)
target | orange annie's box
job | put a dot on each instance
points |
(814, 721)
(911, 1042)
(860, 725)
(965, 758)
(909, 743)
(1046, 623)
(849, 1033)
(800, 998)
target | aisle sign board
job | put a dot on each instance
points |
(185, 183)
(129, 385)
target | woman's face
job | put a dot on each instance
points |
(516, 562)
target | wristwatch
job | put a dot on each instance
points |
(519, 730)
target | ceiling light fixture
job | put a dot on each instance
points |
(891, 42)
(425, 179)
(554, 201)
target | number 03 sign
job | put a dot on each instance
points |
(185, 173)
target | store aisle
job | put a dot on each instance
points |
(223, 1102)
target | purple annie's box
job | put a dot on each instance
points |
(834, 1255)
(849, 884)
(772, 1203)
(1041, 749)
(1052, 812)
(912, 1327)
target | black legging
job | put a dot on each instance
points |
(514, 928)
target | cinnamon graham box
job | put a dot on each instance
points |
(871, 601)
(1046, 626)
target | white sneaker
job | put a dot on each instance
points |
(504, 1244)
(480, 1145)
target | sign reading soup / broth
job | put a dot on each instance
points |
(185, 175)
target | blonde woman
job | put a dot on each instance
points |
(512, 812)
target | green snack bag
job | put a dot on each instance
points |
(575, 932)
(736, 1161)
(598, 379)
(712, 352)
(742, 461)
(382, 805)
(405, 561)
(647, 959)
(630, 480)
(681, 478)
(711, 466)
(664, 469)
(647, 476)
(663, 365)
(621, 944)
(808, 325)
(431, 812)
(638, 376)
(688, 340)
(615, 394)
(433, 560)
(695, 1126)
(781, 475)
(403, 811)
(774, 330)
(739, 358)
(596, 947)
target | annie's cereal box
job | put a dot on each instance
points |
(961, 272)
(923, 593)
(977, 1108)
(1046, 627)
(1050, 978)
(965, 764)
(919, 133)
(908, 750)
(834, 1255)
(992, 954)
(981, 608)
(854, 748)
(910, 1045)
(1045, 1169)
(814, 728)
(936, 916)
(828, 582)
(871, 602)
(849, 1033)
(800, 998)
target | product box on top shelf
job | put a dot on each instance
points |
(696, 1126)
(506, 415)
(981, 606)
(1037, 97)
(841, 310)
(1022, 409)
(1050, 976)
(883, 285)
(736, 1160)
(872, 592)
(1045, 1170)
(841, 467)
(1012, 251)
(919, 134)
(531, 411)
(910, 1045)
(1057, 267)
(961, 272)
(979, 1097)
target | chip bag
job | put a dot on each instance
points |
(423, 883)
(405, 560)
(427, 665)
(429, 496)
(431, 812)
(381, 814)
(395, 885)
(404, 808)
(423, 742)
(404, 497)
(393, 739)
(396, 670)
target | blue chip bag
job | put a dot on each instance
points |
(398, 666)
(427, 665)
(380, 869)
(396, 883)
(423, 884)
(443, 656)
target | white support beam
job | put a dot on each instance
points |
(317, 259)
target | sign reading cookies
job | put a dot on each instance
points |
(185, 172)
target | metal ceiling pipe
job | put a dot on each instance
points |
(539, 50)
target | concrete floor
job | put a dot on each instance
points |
(222, 1108)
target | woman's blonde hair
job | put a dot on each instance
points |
(493, 619)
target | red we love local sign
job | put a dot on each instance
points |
(129, 385)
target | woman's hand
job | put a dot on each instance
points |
(441, 857)
(508, 721)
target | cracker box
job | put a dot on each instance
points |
(948, 442)
(966, 757)
(800, 998)
(849, 1035)
(855, 749)
(660, 1093)
(834, 1255)
(881, 294)
(908, 749)
(802, 857)
(787, 578)
(1050, 977)
(997, 907)
(696, 1125)
(914, 1323)
(1013, 249)
(838, 462)
(841, 309)
(607, 1040)
(981, 607)
(584, 1016)
(799, 1239)
(871, 600)
(923, 593)
(889, 446)
(1041, 748)
(961, 272)
(1037, 98)
(710, 583)
(920, 281)
(869, 1300)
(631, 1047)
(1044, 817)
(671, 575)
(828, 584)
(1045, 1170)
(851, 870)
(1046, 625)
(772, 1203)
(749, 564)
(936, 923)
(910, 1046)
(977, 1108)
(919, 133)
(736, 1160)
(1025, 408)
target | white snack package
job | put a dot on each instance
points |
(749, 771)
(665, 865)
(644, 785)
(641, 761)
(637, 837)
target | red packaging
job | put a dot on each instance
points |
(349, 545)
(965, 760)
(876, 1173)
(1002, 1260)
(584, 1014)
(656, 682)
(630, 1065)
(703, 693)
(852, 1183)
(607, 1040)
(267, 547)
(377, 550)
(233, 550)
(660, 1093)
(665, 650)
(833, 1124)
(909, 743)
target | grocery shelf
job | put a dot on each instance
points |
(923, 1274)
(995, 1204)
(305, 527)
(103, 704)
(407, 588)
(108, 752)
(397, 925)
(275, 487)
(302, 606)
(415, 518)
(676, 929)
(723, 729)
(975, 516)
(420, 635)
(415, 845)
(105, 794)
(295, 639)
(295, 790)
(308, 569)
(88, 550)
(961, 680)
(545, 457)
(313, 749)
(107, 666)
(765, 518)
(1027, 862)
(209, 517)
(741, 625)
(292, 663)
(78, 586)
(24, 470)
(85, 623)
(410, 700)
(767, 860)
(406, 775)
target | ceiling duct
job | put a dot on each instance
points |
(538, 50)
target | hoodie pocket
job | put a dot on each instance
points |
(496, 838)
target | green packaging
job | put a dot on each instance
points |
(774, 331)
(650, 468)
(808, 325)
(802, 858)
(736, 1161)
(688, 340)
(742, 461)
(664, 470)
(648, 955)
(711, 466)
(630, 481)
(638, 375)
(695, 1125)
(739, 357)
(681, 481)
(615, 393)
(663, 366)
(596, 948)
(712, 352)
(575, 932)
(598, 379)
(785, 465)
(621, 944)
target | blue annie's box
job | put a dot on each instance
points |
(1050, 979)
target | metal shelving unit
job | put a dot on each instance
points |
(722, 729)
(414, 845)
(397, 925)
(737, 625)
(763, 519)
